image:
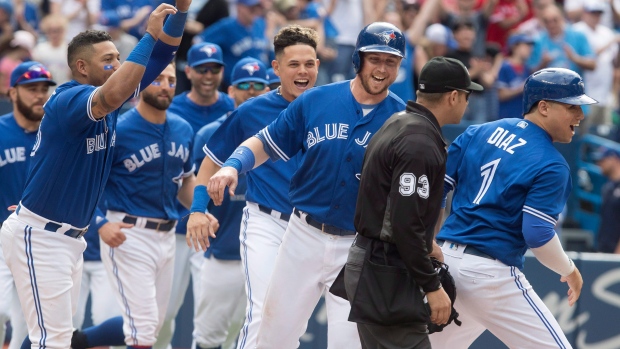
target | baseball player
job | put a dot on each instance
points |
(221, 273)
(30, 82)
(239, 36)
(152, 164)
(510, 185)
(274, 80)
(200, 106)
(332, 136)
(268, 206)
(70, 162)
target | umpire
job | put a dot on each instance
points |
(389, 270)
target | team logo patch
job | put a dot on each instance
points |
(251, 68)
(387, 36)
(209, 50)
(522, 124)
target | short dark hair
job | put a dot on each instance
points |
(294, 35)
(429, 97)
(84, 42)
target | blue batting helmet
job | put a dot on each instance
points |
(554, 84)
(379, 37)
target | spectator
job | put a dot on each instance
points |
(53, 52)
(560, 46)
(598, 82)
(479, 20)
(20, 50)
(508, 14)
(480, 69)
(124, 42)
(534, 27)
(240, 36)
(81, 14)
(438, 40)
(575, 8)
(131, 15)
(6, 27)
(609, 230)
(512, 76)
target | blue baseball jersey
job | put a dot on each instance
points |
(229, 214)
(268, 184)
(71, 158)
(198, 116)
(150, 161)
(499, 170)
(511, 76)
(15, 146)
(332, 136)
(237, 41)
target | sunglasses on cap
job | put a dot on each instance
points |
(203, 69)
(258, 86)
(33, 74)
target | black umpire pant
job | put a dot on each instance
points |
(377, 336)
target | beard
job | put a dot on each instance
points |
(366, 86)
(152, 100)
(28, 111)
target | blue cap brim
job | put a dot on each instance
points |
(250, 79)
(25, 82)
(205, 61)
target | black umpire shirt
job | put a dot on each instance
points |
(401, 189)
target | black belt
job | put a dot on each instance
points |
(74, 233)
(469, 249)
(164, 226)
(267, 210)
(326, 228)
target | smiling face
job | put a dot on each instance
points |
(560, 120)
(102, 63)
(204, 81)
(297, 67)
(378, 72)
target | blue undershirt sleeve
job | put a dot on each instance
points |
(536, 231)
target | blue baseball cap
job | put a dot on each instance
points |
(249, 2)
(520, 38)
(204, 52)
(249, 69)
(272, 77)
(604, 152)
(30, 72)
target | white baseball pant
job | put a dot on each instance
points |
(497, 297)
(184, 257)
(261, 236)
(221, 303)
(140, 271)
(307, 264)
(49, 268)
(95, 281)
(10, 308)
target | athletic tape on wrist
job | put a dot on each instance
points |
(201, 199)
(175, 24)
(141, 53)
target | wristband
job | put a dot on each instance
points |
(175, 24)
(242, 160)
(141, 53)
(201, 199)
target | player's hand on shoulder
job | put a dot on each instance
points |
(575, 283)
(111, 233)
(200, 227)
(440, 305)
(225, 177)
(155, 24)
